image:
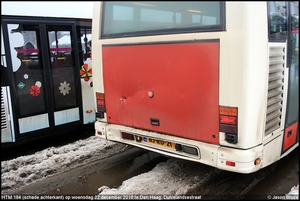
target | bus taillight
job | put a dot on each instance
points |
(100, 100)
(228, 121)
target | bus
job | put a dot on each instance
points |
(212, 82)
(46, 68)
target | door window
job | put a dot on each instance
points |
(62, 67)
(27, 68)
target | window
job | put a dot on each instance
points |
(277, 20)
(122, 19)
(27, 68)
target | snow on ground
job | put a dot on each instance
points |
(169, 178)
(294, 190)
(27, 169)
(163, 181)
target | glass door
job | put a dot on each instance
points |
(44, 69)
(63, 78)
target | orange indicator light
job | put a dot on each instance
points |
(257, 161)
(229, 111)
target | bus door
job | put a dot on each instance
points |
(64, 74)
(43, 72)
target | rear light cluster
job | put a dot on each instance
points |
(100, 101)
(228, 119)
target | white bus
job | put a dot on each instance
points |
(211, 82)
(46, 70)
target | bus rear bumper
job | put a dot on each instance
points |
(239, 160)
(225, 158)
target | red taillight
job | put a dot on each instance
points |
(228, 123)
(100, 100)
(228, 117)
(228, 120)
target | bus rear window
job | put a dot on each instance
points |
(140, 18)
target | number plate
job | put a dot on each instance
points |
(160, 142)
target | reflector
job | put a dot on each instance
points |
(229, 163)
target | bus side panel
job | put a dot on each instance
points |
(167, 88)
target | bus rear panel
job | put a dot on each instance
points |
(144, 89)
(199, 81)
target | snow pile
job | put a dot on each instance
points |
(27, 169)
(294, 190)
(166, 178)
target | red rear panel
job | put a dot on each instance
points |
(167, 88)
